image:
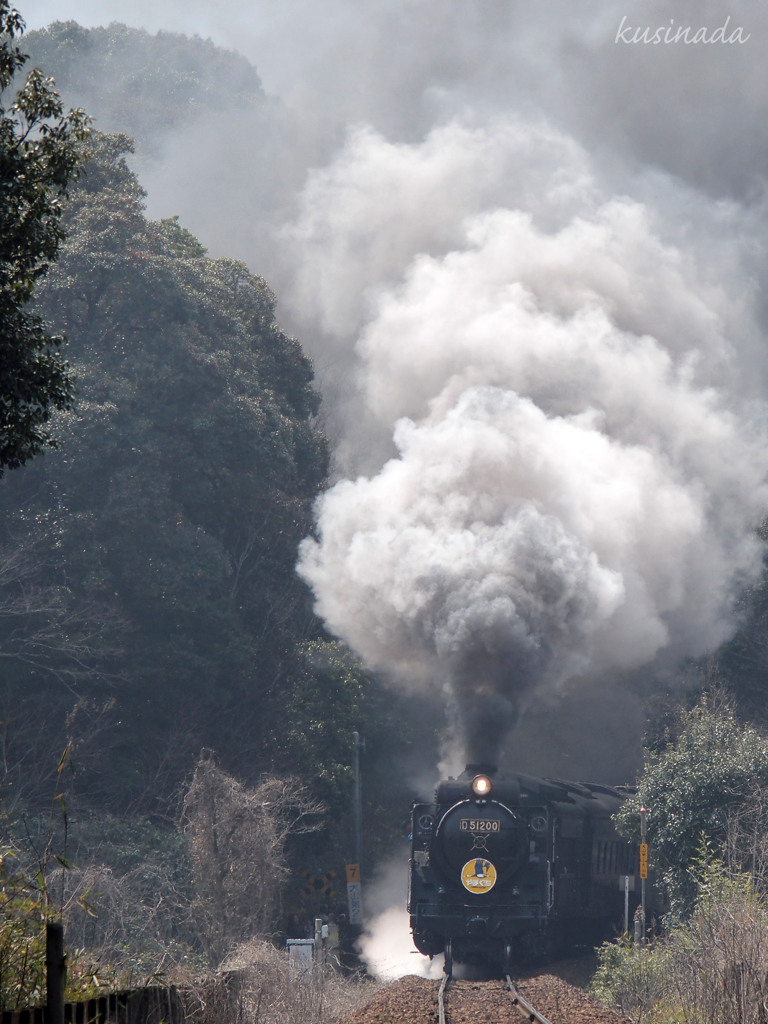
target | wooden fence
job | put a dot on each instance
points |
(216, 999)
(149, 1005)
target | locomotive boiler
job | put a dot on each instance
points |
(506, 868)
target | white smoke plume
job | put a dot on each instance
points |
(576, 484)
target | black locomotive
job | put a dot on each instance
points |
(504, 869)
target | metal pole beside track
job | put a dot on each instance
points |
(643, 869)
(358, 798)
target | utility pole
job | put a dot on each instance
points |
(354, 871)
(358, 798)
(643, 868)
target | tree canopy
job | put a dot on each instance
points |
(39, 153)
(696, 789)
(156, 82)
(181, 489)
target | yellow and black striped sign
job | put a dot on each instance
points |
(315, 885)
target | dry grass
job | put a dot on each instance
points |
(259, 985)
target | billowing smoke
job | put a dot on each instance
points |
(526, 256)
(574, 483)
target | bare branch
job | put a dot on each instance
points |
(237, 842)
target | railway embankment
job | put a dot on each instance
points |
(554, 991)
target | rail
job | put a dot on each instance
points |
(441, 998)
(525, 1008)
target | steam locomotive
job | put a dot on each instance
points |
(506, 869)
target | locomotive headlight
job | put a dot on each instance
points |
(481, 785)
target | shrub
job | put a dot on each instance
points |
(632, 979)
(713, 969)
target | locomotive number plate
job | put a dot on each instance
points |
(479, 825)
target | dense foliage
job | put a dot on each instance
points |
(149, 607)
(712, 969)
(38, 160)
(174, 507)
(705, 787)
(156, 82)
(698, 790)
(137, 901)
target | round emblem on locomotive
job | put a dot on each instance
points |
(478, 875)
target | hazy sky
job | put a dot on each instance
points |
(408, 63)
(524, 241)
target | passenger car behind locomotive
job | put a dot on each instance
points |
(504, 868)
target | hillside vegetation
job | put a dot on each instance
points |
(152, 608)
(155, 82)
(152, 621)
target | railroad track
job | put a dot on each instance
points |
(441, 999)
(525, 1008)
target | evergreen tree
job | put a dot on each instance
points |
(38, 161)
(182, 487)
(696, 789)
